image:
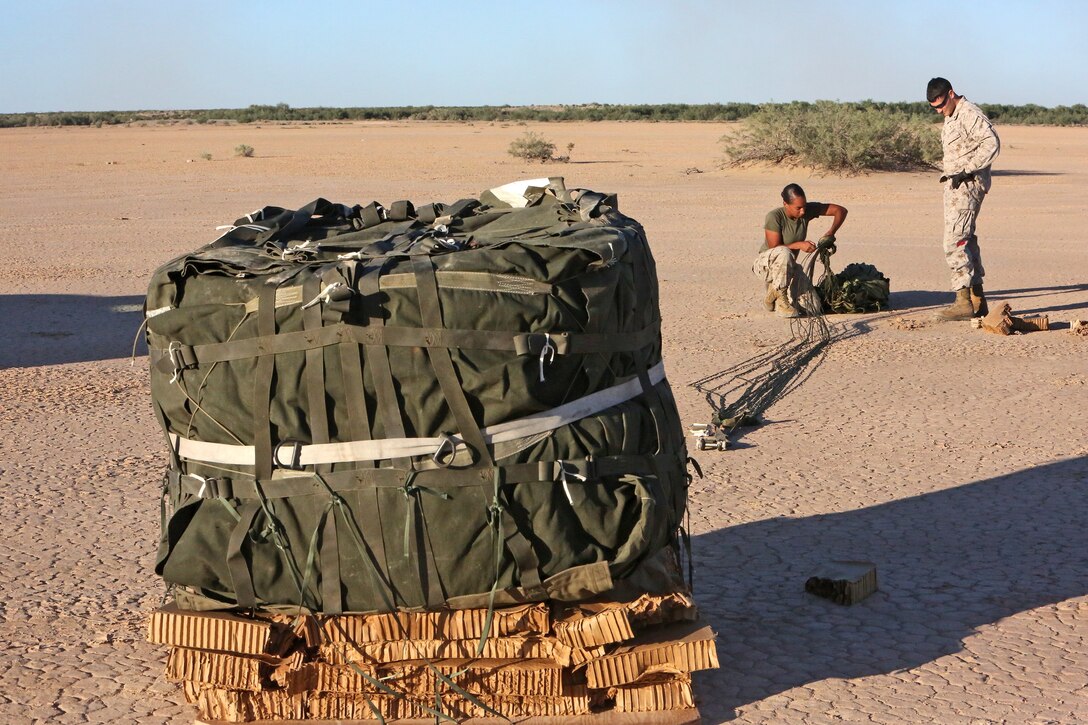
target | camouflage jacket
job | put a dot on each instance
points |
(969, 141)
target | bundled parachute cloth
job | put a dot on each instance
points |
(858, 288)
(373, 408)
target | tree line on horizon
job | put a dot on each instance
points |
(1029, 114)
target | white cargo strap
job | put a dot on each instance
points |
(288, 455)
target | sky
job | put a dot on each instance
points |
(98, 55)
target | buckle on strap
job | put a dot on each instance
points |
(295, 464)
(446, 452)
(209, 487)
(179, 361)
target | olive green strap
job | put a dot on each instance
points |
(262, 387)
(377, 355)
(332, 601)
(177, 357)
(431, 312)
(240, 576)
(317, 410)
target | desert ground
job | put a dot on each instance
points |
(955, 460)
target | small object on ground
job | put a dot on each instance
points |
(908, 323)
(1079, 327)
(709, 436)
(1001, 321)
(844, 582)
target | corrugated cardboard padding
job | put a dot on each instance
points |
(589, 624)
(495, 648)
(218, 631)
(523, 620)
(215, 703)
(332, 706)
(684, 647)
(542, 678)
(673, 694)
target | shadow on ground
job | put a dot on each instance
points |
(907, 300)
(1017, 298)
(56, 329)
(947, 562)
(1024, 172)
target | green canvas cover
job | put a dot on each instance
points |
(373, 408)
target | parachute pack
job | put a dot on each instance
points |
(372, 409)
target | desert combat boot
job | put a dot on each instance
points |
(783, 307)
(978, 301)
(961, 309)
(770, 297)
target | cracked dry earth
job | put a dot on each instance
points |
(954, 460)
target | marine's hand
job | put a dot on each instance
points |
(809, 247)
(827, 242)
(957, 178)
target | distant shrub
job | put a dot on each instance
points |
(532, 146)
(206, 156)
(835, 138)
(1076, 115)
(243, 150)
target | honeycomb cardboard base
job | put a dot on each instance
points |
(597, 662)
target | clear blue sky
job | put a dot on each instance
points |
(92, 55)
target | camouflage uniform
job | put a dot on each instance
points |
(970, 144)
(777, 267)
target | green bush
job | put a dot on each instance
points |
(243, 150)
(835, 138)
(206, 156)
(532, 146)
(1076, 115)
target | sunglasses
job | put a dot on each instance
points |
(942, 104)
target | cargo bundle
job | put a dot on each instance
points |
(408, 425)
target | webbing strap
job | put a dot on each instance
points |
(402, 448)
(476, 281)
(317, 411)
(522, 551)
(303, 484)
(388, 409)
(178, 356)
(431, 311)
(355, 396)
(262, 387)
(435, 593)
(240, 576)
(370, 515)
(656, 409)
(331, 592)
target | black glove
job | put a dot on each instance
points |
(958, 178)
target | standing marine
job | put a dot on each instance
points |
(970, 146)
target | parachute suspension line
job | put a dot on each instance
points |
(494, 519)
(741, 394)
(337, 502)
(274, 530)
(203, 381)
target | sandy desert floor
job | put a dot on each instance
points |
(955, 460)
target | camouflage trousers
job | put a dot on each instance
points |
(961, 251)
(777, 267)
